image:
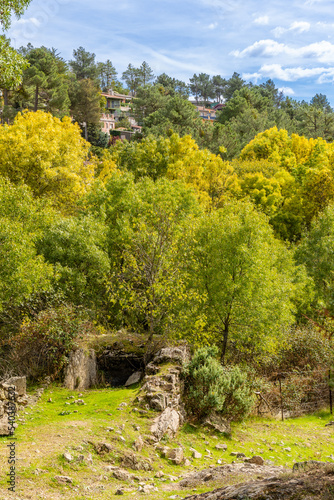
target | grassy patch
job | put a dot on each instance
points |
(54, 427)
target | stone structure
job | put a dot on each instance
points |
(81, 371)
(18, 399)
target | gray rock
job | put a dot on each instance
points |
(20, 384)
(133, 379)
(175, 455)
(218, 423)
(195, 453)
(122, 475)
(63, 479)
(168, 422)
(68, 457)
(81, 371)
(175, 354)
(139, 444)
(221, 447)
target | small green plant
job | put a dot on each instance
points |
(212, 387)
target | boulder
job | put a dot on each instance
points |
(168, 422)
(81, 371)
(20, 384)
(257, 460)
(133, 379)
(218, 423)
(175, 455)
(179, 355)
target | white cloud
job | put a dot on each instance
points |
(212, 26)
(297, 26)
(295, 73)
(30, 20)
(321, 51)
(262, 20)
(287, 90)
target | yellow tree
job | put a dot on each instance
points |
(47, 154)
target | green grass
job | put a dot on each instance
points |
(47, 434)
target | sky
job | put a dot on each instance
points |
(288, 41)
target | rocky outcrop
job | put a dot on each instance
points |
(81, 371)
(12, 397)
(162, 390)
(314, 481)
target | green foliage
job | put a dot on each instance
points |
(75, 246)
(10, 8)
(22, 272)
(244, 281)
(210, 387)
(145, 221)
(43, 344)
(12, 65)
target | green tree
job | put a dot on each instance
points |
(10, 8)
(145, 73)
(22, 272)
(131, 76)
(148, 100)
(107, 75)
(86, 103)
(202, 87)
(46, 80)
(172, 86)
(178, 115)
(234, 83)
(219, 85)
(145, 221)
(83, 65)
(243, 281)
(12, 65)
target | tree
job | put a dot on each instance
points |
(172, 86)
(315, 252)
(107, 75)
(47, 154)
(148, 100)
(219, 85)
(234, 83)
(178, 115)
(47, 79)
(145, 73)
(202, 86)
(131, 76)
(145, 221)
(12, 65)
(244, 280)
(86, 103)
(75, 246)
(10, 8)
(83, 65)
(22, 272)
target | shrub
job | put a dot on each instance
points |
(211, 387)
(43, 344)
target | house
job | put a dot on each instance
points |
(206, 113)
(117, 106)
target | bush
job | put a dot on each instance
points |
(43, 344)
(212, 387)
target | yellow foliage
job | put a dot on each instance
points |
(199, 168)
(47, 154)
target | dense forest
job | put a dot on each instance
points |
(218, 233)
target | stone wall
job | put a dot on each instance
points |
(8, 399)
(81, 371)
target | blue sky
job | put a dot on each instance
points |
(291, 42)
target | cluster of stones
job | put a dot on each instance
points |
(20, 400)
(162, 390)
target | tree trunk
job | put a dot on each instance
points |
(224, 347)
(5, 97)
(36, 99)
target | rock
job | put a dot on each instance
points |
(218, 423)
(168, 422)
(195, 453)
(221, 447)
(329, 423)
(187, 462)
(119, 492)
(163, 450)
(139, 444)
(159, 474)
(122, 475)
(68, 457)
(131, 461)
(20, 384)
(133, 379)
(81, 371)
(256, 459)
(102, 448)
(175, 455)
(172, 354)
(63, 479)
